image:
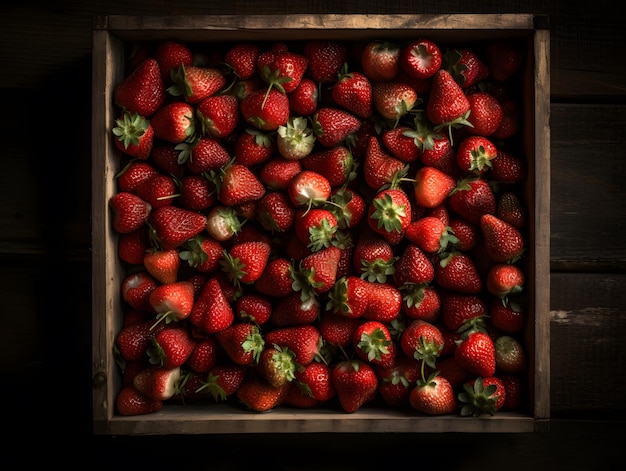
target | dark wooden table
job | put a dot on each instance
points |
(45, 353)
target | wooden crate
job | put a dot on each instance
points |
(112, 35)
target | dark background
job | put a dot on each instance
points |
(45, 238)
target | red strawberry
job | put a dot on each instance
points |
(316, 380)
(432, 186)
(276, 279)
(485, 114)
(132, 246)
(475, 153)
(275, 212)
(353, 91)
(464, 65)
(212, 311)
(172, 226)
(380, 168)
(204, 356)
(333, 125)
(158, 190)
(142, 91)
(241, 58)
(433, 396)
(194, 83)
(291, 310)
(157, 383)
(130, 212)
(337, 329)
(477, 353)
(277, 172)
(135, 172)
(303, 340)
(129, 401)
(132, 341)
(163, 265)
(317, 272)
(514, 388)
(246, 261)
(165, 157)
(253, 147)
(224, 380)
(276, 365)
(504, 59)
(457, 272)
(447, 106)
(259, 396)
(218, 115)
(348, 206)
(325, 59)
(437, 152)
(400, 142)
(242, 342)
(196, 193)
(316, 228)
(507, 168)
(472, 198)
(508, 318)
(483, 395)
(337, 164)
(308, 188)
(423, 341)
(171, 347)
(503, 242)
(172, 302)
(461, 312)
(134, 135)
(372, 342)
(356, 384)
(265, 112)
(510, 355)
(396, 382)
(509, 125)
(511, 210)
(223, 222)
(385, 302)
(430, 234)
(295, 138)
(283, 69)
(203, 155)
(239, 185)
(421, 59)
(374, 257)
(174, 122)
(421, 302)
(504, 280)
(252, 307)
(171, 55)
(380, 60)
(393, 100)
(303, 101)
(414, 267)
(349, 297)
(136, 289)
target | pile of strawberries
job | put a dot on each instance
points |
(322, 223)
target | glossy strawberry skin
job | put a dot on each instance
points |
(142, 91)
(356, 384)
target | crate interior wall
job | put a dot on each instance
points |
(112, 35)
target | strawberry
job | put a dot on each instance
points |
(246, 261)
(291, 310)
(259, 396)
(447, 106)
(295, 138)
(171, 347)
(303, 340)
(421, 302)
(218, 115)
(174, 122)
(253, 147)
(204, 155)
(194, 83)
(483, 395)
(422, 340)
(276, 279)
(252, 307)
(503, 242)
(129, 401)
(316, 380)
(223, 381)
(204, 355)
(337, 329)
(457, 272)
(276, 365)
(132, 341)
(242, 342)
(308, 188)
(265, 112)
(348, 206)
(504, 280)
(332, 125)
(393, 100)
(381, 169)
(414, 267)
(514, 388)
(510, 123)
(303, 101)
(433, 396)
(212, 311)
(238, 184)
(430, 234)
(432, 186)
(158, 383)
(130, 212)
(196, 193)
(510, 209)
(171, 55)
(396, 382)
(223, 222)
(158, 190)
(460, 312)
(437, 152)
(421, 59)
(373, 344)
(316, 228)
(326, 58)
(510, 355)
(374, 257)
(380, 60)
(400, 142)
(337, 164)
(134, 135)
(133, 173)
(464, 65)
(452, 371)
(142, 91)
(504, 59)
(282, 70)
(136, 289)
(472, 198)
(132, 246)
(385, 302)
(353, 91)
(275, 212)
(507, 168)
(241, 59)
(477, 353)
(466, 234)
(349, 297)
(172, 226)
(277, 172)
(508, 318)
(485, 114)
(475, 153)
(172, 302)
(163, 265)
(317, 272)
(355, 382)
